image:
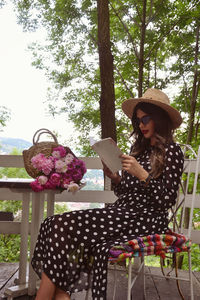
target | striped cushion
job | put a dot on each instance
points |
(158, 244)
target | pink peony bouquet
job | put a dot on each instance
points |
(59, 170)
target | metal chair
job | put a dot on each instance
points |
(181, 237)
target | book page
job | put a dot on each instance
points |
(109, 153)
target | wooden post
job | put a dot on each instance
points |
(24, 231)
(37, 217)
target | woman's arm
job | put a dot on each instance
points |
(115, 177)
(132, 166)
(163, 190)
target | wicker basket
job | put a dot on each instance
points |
(40, 147)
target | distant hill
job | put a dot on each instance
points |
(7, 144)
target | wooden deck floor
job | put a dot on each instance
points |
(156, 288)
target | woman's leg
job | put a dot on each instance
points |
(46, 290)
(61, 295)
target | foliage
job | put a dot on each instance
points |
(163, 52)
(59, 208)
(195, 254)
(9, 248)
(14, 172)
(10, 206)
(195, 259)
(184, 72)
(4, 113)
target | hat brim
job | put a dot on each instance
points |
(129, 105)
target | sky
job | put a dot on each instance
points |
(23, 88)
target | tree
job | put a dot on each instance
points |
(143, 37)
(185, 72)
(107, 98)
(195, 88)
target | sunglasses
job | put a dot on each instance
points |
(145, 120)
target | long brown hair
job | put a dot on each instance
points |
(163, 135)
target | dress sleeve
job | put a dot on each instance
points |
(119, 188)
(163, 190)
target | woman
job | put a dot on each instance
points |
(75, 244)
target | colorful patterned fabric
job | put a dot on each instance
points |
(157, 244)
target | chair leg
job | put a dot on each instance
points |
(143, 277)
(190, 275)
(129, 279)
(115, 282)
(131, 282)
(177, 281)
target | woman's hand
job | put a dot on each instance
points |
(115, 177)
(132, 166)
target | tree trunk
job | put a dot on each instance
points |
(195, 89)
(142, 42)
(107, 98)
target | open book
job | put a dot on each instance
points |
(109, 153)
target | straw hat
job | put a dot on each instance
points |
(155, 97)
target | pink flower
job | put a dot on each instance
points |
(60, 166)
(49, 185)
(42, 179)
(65, 183)
(77, 175)
(73, 187)
(60, 169)
(55, 179)
(69, 158)
(82, 166)
(67, 176)
(47, 166)
(36, 186)
(37, 161)
(59, 152)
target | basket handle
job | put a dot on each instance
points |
(41, 131)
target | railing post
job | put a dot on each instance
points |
(24, 231)
(37, 217)
(107, 183)
(50, 202)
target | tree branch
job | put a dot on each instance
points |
(123, 81)
(126, 30)
(115, 67)
(160, 40)
(152, 17)
(126, 12)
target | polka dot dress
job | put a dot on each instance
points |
(73, 248)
